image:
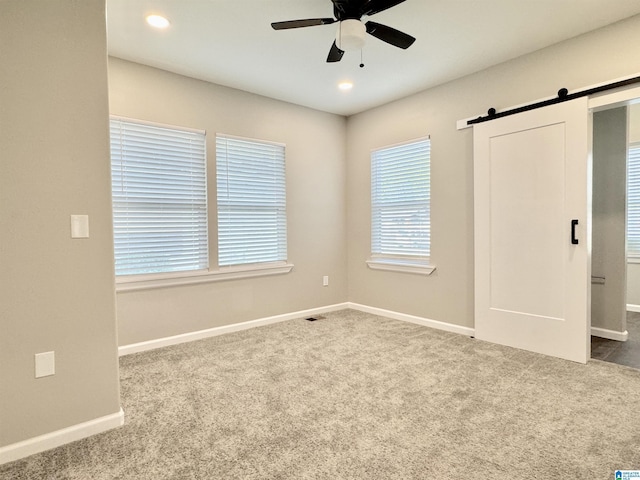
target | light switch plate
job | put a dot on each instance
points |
(45, 364)
(79, 226)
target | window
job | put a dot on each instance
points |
(252, 221)
(158, 182)
(400, 207)
(633, 202)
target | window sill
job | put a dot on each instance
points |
(147, 282)
(404, 266)
(633, 259)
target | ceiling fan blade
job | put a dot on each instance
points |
(335, 54)
(309, 22)
(390, 35)
(374, 6)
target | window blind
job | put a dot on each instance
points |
(252, 221)
(158, 180)
(400, 200)
(633, 201)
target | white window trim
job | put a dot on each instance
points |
(157, 124)
(149, 282)
(126, 283)
(415, 265)
(403, 265)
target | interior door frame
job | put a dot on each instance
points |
(614, 98)
(621, 97)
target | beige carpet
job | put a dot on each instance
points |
(355, 396)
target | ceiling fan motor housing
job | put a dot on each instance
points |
(351, 35)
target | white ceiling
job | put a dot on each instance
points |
(231, 42)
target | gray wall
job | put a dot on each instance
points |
(56, 293)
(608, 254)
(316, 216)
(447, 295)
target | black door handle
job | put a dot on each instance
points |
(574, 240)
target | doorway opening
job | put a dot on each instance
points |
(615, 291)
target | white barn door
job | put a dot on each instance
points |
(532, 230)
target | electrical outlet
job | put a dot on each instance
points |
(45, 364)
(325, 281)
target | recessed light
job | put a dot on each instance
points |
(345, 85)
(157, 21)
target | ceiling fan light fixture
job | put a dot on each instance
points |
(351, 34)
(345, 86)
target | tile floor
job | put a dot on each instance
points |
(623, 353)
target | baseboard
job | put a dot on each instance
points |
(449, 327)
(633, 308)
(38, 444)
(610, 334)
(426, 322)
(215, 331)
(236, 327)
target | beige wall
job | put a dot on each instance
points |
(56, 293)
(316, 216)
(608, 255)
(447, 295)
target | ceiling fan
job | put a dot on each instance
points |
(351, 32)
